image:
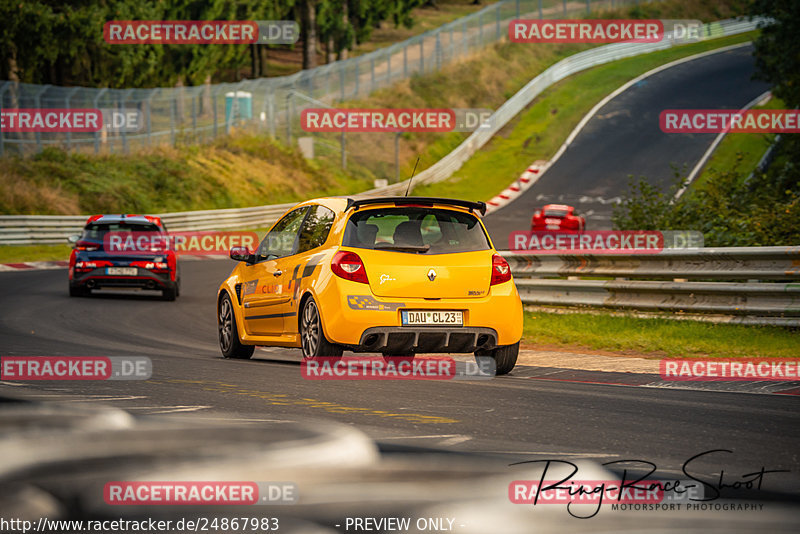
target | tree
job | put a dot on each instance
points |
(777, 49)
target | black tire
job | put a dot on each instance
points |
(229, 342)
(169, 293)
(312, 337)
(76, 291)
(505, 357)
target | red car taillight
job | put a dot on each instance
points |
(501, 271)
(86, 245)
(85, 266)
(348, 265)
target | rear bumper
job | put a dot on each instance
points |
(97, 279)
(353, 317)
(403, 339)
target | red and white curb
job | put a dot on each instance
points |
(33, 265)
(520, 185)
(46, 265)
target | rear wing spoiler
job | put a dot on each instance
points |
(423, 201)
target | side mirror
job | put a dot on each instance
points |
(73, 238)
(242, 254)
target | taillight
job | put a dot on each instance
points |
(348, 265)
(501, 271)
(85, 266)
(86, 245)
(155, 266)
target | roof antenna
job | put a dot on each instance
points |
(412, 176)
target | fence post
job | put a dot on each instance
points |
(405, 61)
(422, 55)
(397, 157)
(464, 38)
(2, 90)
(271, 112)
(371, 74)
(66, 105)
(480, 28)
(96, 136)
(289, 118)
(565, 8)
(194, 117)
(39, 106)
(438, 52)
(540, 3)
(389, 67)
(497, 23)
(358, 61)
(173, 105)
(541, 15)
(588, 6)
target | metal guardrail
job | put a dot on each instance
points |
(760, 303)
(724, 263)
(749, 302)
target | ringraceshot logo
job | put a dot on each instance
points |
(394, 120)
(199, 493)
(728, 120)
(771, 369)
(603, 31)
(398, 368)
(15, 368)
(71, 120)
(193, 243)
(201, 32)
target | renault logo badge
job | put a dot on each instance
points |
(431, 275)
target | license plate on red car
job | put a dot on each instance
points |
(121, 271)
(432, 317)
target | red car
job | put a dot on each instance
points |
(557, 217)
(91, 266)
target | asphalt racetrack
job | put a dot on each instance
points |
(512, 417)
(624, 139)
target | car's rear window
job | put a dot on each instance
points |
(415, 229)
(555, 213)
(97, 231)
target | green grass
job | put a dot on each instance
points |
(742, 149)
(658, 337)
(542, 127)
(23, 253)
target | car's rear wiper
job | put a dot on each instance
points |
(404, 248)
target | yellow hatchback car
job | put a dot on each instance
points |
(394, 275)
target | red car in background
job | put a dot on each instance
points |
(557, 217)
(91, 266)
